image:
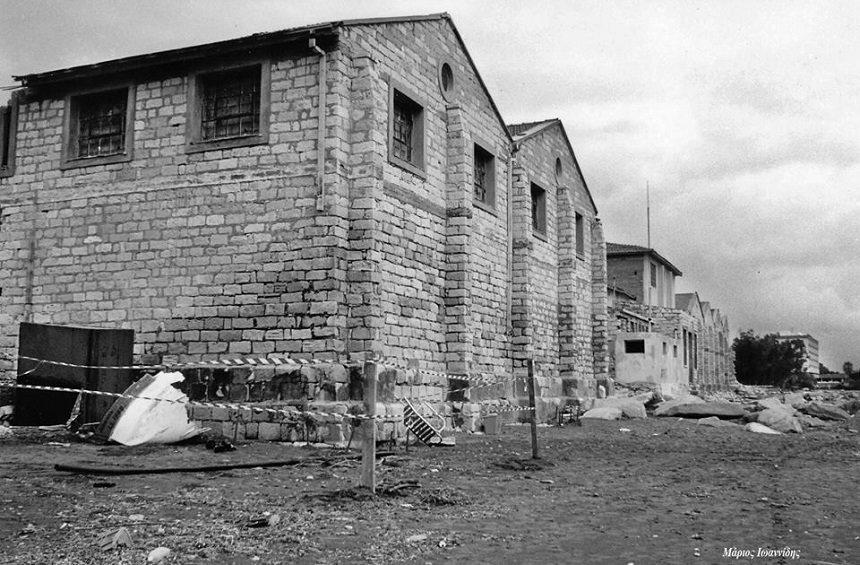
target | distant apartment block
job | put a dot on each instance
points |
(811, 364)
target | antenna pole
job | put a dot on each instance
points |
(648, 210)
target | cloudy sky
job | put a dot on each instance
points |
(744, 118)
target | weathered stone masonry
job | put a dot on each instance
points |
(249, 249)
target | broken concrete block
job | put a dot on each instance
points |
(824, 411)
(755, 427)
(663, 407)
(715, 422)
(780, 419)
(630, 406)
(604, 413)
(700, 409)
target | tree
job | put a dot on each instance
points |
(848, 368)
(767, 360)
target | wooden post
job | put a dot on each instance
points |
(530, 382)
(368, 450)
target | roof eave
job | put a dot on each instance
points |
(172, 56)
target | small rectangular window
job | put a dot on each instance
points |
(653, 275)
(99, 127)
(228, 107)
(484, 177)
(634, 346)
(538, 210)
(101, 124)
(230, 104)
(406, 130)
(580, 236)
(6, 135)
(665, 348)
(675, 351)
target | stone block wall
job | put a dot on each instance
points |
(254, 250)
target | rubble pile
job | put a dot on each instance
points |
(757, 409)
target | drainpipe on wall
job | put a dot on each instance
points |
(510, 265)
(31, 263)
(312, 43)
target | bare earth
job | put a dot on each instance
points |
(667, 491)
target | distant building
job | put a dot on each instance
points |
(643, 272)
(811, 364)
(673, 340)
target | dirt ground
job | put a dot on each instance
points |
(666, 491)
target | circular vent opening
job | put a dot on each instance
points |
(446, 80)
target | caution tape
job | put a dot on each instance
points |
(393, 363)
(229, 362)
(470, 388)
(227, 405)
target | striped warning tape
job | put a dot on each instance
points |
(393, 363)
(443, 394)
(230, 362)
(227, 405)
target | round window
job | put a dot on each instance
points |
(446, 80)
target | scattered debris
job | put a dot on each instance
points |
(27, 530)
(522, 464)
(444, 496)
(6, 433)
(113, 539)
(219, 444)
(59, 444)
(399, 488)
(416, 538)
(7, 412)
(265, 520)
(103, 484)
(163, 419)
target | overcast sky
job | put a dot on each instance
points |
(743, 116)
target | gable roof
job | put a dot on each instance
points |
(624, 249)
(527, 130)
(325, 33)
(689, 301)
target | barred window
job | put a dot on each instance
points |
(98, 130)
(484, 176)
(580, 235)
(405, 130)
(538, 210)
(101, 124)
(231, 104)
(404, 125)
(5, 137)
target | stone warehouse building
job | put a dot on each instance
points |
(655, 335)
(332, 191)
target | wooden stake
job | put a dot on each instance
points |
(530, 381)
(368, 451)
